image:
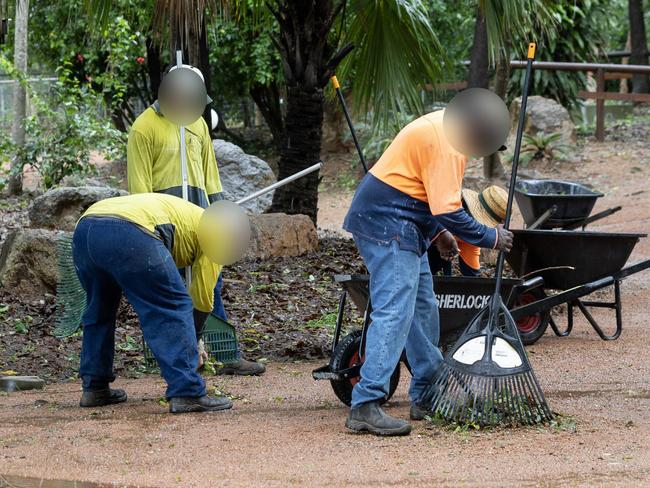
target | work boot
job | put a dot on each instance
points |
(102, 398)
(370, 417)
(204, 403)
(243, 368)
(418, 412)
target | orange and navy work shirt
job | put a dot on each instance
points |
(414, 192)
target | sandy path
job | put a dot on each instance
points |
(287, 430)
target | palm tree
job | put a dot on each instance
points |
(639, 43)
(15, 184)
(397, 53)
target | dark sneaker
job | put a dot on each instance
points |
(198, 404)
(418, 412)
(371, 418)
(243, 368)
(102, 398)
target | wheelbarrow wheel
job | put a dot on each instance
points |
(532, 327)
(346, 355)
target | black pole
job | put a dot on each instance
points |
(515, 159)
(337, 87)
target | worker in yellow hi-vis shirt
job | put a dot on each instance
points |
(135, 245)
(154, 165)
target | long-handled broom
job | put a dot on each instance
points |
(486, 378)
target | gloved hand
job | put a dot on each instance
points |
(447, 246)
(203, 355)
(504, 241)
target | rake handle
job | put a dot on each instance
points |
(515, 160)
(344, 106)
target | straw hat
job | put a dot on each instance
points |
(487, 207)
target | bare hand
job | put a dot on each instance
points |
(447, 246)
(504, 242)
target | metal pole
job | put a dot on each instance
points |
(184, 185)
(280, 183)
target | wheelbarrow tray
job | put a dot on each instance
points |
(459, 298)
(578, 256)
(573, 202)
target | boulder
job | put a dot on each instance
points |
(28, 262)
(60, 208)
(543, 115)
(278, 234)
(242, 174)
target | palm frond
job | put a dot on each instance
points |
(397, 53)
(506, 19)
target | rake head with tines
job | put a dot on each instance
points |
(486, 378)
(70, 295)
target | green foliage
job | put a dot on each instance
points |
(110, 57)
(62, 129)
(542, 147)
(581, 31)
(453, 23)
(242, 55)
(397, 52)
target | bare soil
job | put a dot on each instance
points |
(287, 429)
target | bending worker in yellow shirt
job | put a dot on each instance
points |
(154, 165)
(135, 245)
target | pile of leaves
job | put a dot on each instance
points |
(283, 309)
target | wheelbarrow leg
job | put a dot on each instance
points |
(339, 320)
(569, 328)
(616, 305)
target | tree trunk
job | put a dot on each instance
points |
(478, 66)
(492, 167)
(15, 185)
(267, 99)
(640, 83)
(301, 149)
(204, 66)
(154, 68)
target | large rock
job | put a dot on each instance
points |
(28, 262)
(543, 115)
(278, 234)
(60, 208)
(242, 174)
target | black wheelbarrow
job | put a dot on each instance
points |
(549, 204)
(573, 264)
(459, 299)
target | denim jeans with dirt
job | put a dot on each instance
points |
(113, 256)
(404, 317)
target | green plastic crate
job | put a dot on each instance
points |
(219, 338)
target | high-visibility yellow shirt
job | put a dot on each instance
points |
(175, 223)
(421, 163)
(153, 156)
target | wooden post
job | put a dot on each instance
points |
(600, 105)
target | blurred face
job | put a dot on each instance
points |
(476, 122)
(182, 96)
(224, 232)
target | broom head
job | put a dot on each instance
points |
(486, 378)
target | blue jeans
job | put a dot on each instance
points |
(404, 317)
(112, 256)
(219, 310)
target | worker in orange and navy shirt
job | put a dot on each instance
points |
(488, 208)
(400, 207)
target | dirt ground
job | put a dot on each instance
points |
(287, 429)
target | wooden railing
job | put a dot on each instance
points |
(602, 71)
